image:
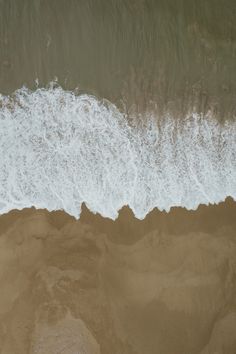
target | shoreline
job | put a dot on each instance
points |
(206, 218)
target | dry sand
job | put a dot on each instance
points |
(164, 285)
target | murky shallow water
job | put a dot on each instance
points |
(170, 54)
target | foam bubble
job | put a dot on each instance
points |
(59, 150)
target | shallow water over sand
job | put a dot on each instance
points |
(170, 55)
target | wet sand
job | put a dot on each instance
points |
(164, 285)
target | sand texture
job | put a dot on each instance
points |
(164, 285)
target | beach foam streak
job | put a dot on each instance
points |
(59, 149)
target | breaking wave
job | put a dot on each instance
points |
(59, 149)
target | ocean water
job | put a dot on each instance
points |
(60, 150)
(175, 55)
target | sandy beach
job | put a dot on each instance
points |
(162, 285)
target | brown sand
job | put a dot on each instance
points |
(164, 285)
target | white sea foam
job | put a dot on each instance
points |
(59, 150)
